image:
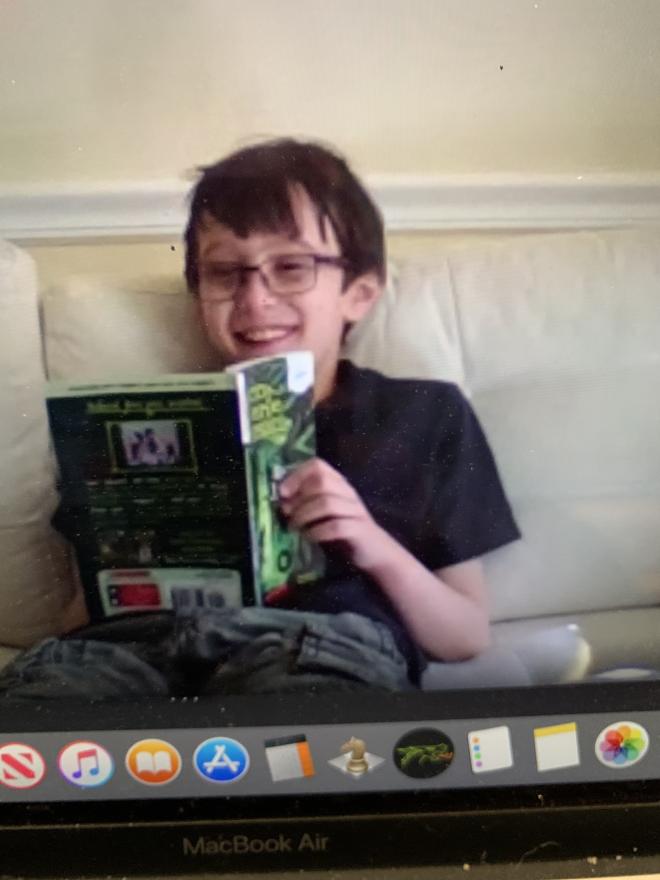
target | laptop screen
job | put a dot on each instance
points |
(330, 458)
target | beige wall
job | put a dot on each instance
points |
(130, 90)
(56, 263)
(137, 89)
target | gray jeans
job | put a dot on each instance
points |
(231, 651)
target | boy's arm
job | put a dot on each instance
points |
(445, 611)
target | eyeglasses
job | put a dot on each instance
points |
(283, 275)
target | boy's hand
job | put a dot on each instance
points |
(321, 503)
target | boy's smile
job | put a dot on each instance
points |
(254, 321)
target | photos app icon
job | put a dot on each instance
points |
(622, 744)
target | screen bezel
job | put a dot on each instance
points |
(550, 826)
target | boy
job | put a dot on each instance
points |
(285, 251)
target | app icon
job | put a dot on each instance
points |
(423, 753)
(153, 762)
(221, 759)
(86, 764)
(21, 766)
(289, 757)
(556, 746)
(354, 759)
(622, 744)
(490, 749)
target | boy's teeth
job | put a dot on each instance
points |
(266, 335)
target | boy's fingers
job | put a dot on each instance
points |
(312, 475)
(322, 507)
(339, 530)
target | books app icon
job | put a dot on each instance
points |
(153, 762)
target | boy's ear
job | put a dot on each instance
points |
(361, 296)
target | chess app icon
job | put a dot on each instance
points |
(354, 759)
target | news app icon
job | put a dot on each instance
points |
(289, 757)
(490, 749)
(556, 746)
(153, 762)
(221, 759)
(622, 744)
(85, 764)
(21, 766)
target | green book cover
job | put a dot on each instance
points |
(278, 432)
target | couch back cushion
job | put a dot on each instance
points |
(557, 338)
(554, 337)
(36, 578)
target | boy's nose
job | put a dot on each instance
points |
(253, 292)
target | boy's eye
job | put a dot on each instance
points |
(223, 275)
(290, 267)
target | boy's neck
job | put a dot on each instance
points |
(325, 384)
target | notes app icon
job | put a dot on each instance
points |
(85, 764)
(153, 762)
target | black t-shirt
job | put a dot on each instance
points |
(415, 453)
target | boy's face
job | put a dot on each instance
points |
(259, 323)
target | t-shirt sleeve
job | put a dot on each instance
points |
(468, 512)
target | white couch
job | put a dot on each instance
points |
(555, 337)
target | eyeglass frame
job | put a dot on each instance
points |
(242, 269)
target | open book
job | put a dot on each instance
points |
(169, 485)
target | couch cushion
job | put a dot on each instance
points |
(620, 638)
(100, 326)
(414, 331)
(556, 339)
(561, 304)
(35, 584)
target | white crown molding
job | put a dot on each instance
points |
(410, 203)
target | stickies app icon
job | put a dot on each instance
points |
(153, 762)
(85, 764)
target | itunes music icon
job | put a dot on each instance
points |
(85, 764)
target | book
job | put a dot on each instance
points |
(169, 485)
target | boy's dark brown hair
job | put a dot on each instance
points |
(249, 191)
